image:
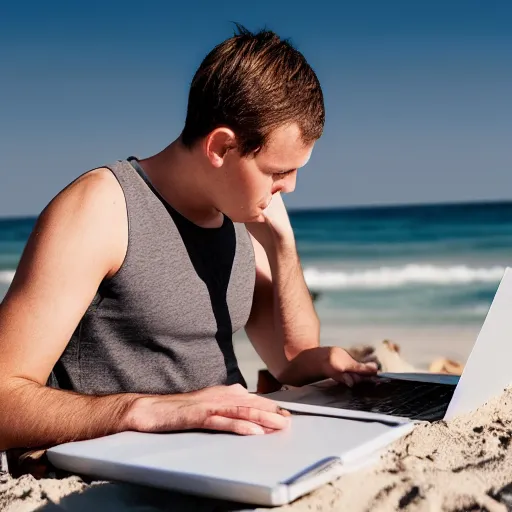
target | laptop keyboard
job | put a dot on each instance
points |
(410, 399)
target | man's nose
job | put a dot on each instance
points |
(285, 185)
(288, 184)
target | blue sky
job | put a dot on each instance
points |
(418, 94)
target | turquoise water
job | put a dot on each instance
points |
(414, 265)
(411, 265)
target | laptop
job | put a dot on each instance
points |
(334, 430)
(389, 397)
(405, 397)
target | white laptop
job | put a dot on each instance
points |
(328, 435)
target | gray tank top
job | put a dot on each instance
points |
(164, 322)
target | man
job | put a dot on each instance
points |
(121, 313)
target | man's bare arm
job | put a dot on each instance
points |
(76, 242)
(283, 322)
(79, 239)
(283, 326)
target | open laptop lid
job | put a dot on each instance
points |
(488, 370)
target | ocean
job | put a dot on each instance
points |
(413, 266)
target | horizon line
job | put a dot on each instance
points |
(363, 206)
(390, 206)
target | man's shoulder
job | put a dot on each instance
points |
(95, 189)
(97, 179)
(90, 212)
(95, 197)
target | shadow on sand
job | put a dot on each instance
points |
(109, 497)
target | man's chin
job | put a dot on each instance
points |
(245, 219)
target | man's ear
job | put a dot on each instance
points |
(218, 143)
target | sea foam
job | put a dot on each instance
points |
(6, 276)
(394, 277)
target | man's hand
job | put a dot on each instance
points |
(273, 223)
(225, 408)
(318, 363)
(276, 216)
(342, 367)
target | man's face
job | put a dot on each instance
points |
(249, 183)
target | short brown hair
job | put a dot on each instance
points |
(254, 83)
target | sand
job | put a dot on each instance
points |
(456, 465)
(463, 464)
(453, 466)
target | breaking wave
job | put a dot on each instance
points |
(395, 277)
(6, 276)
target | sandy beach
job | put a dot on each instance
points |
(451, 466)
(463, 464)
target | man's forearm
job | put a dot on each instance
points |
(296, 321)
(32, 415)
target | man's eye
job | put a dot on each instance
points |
(285, 173)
